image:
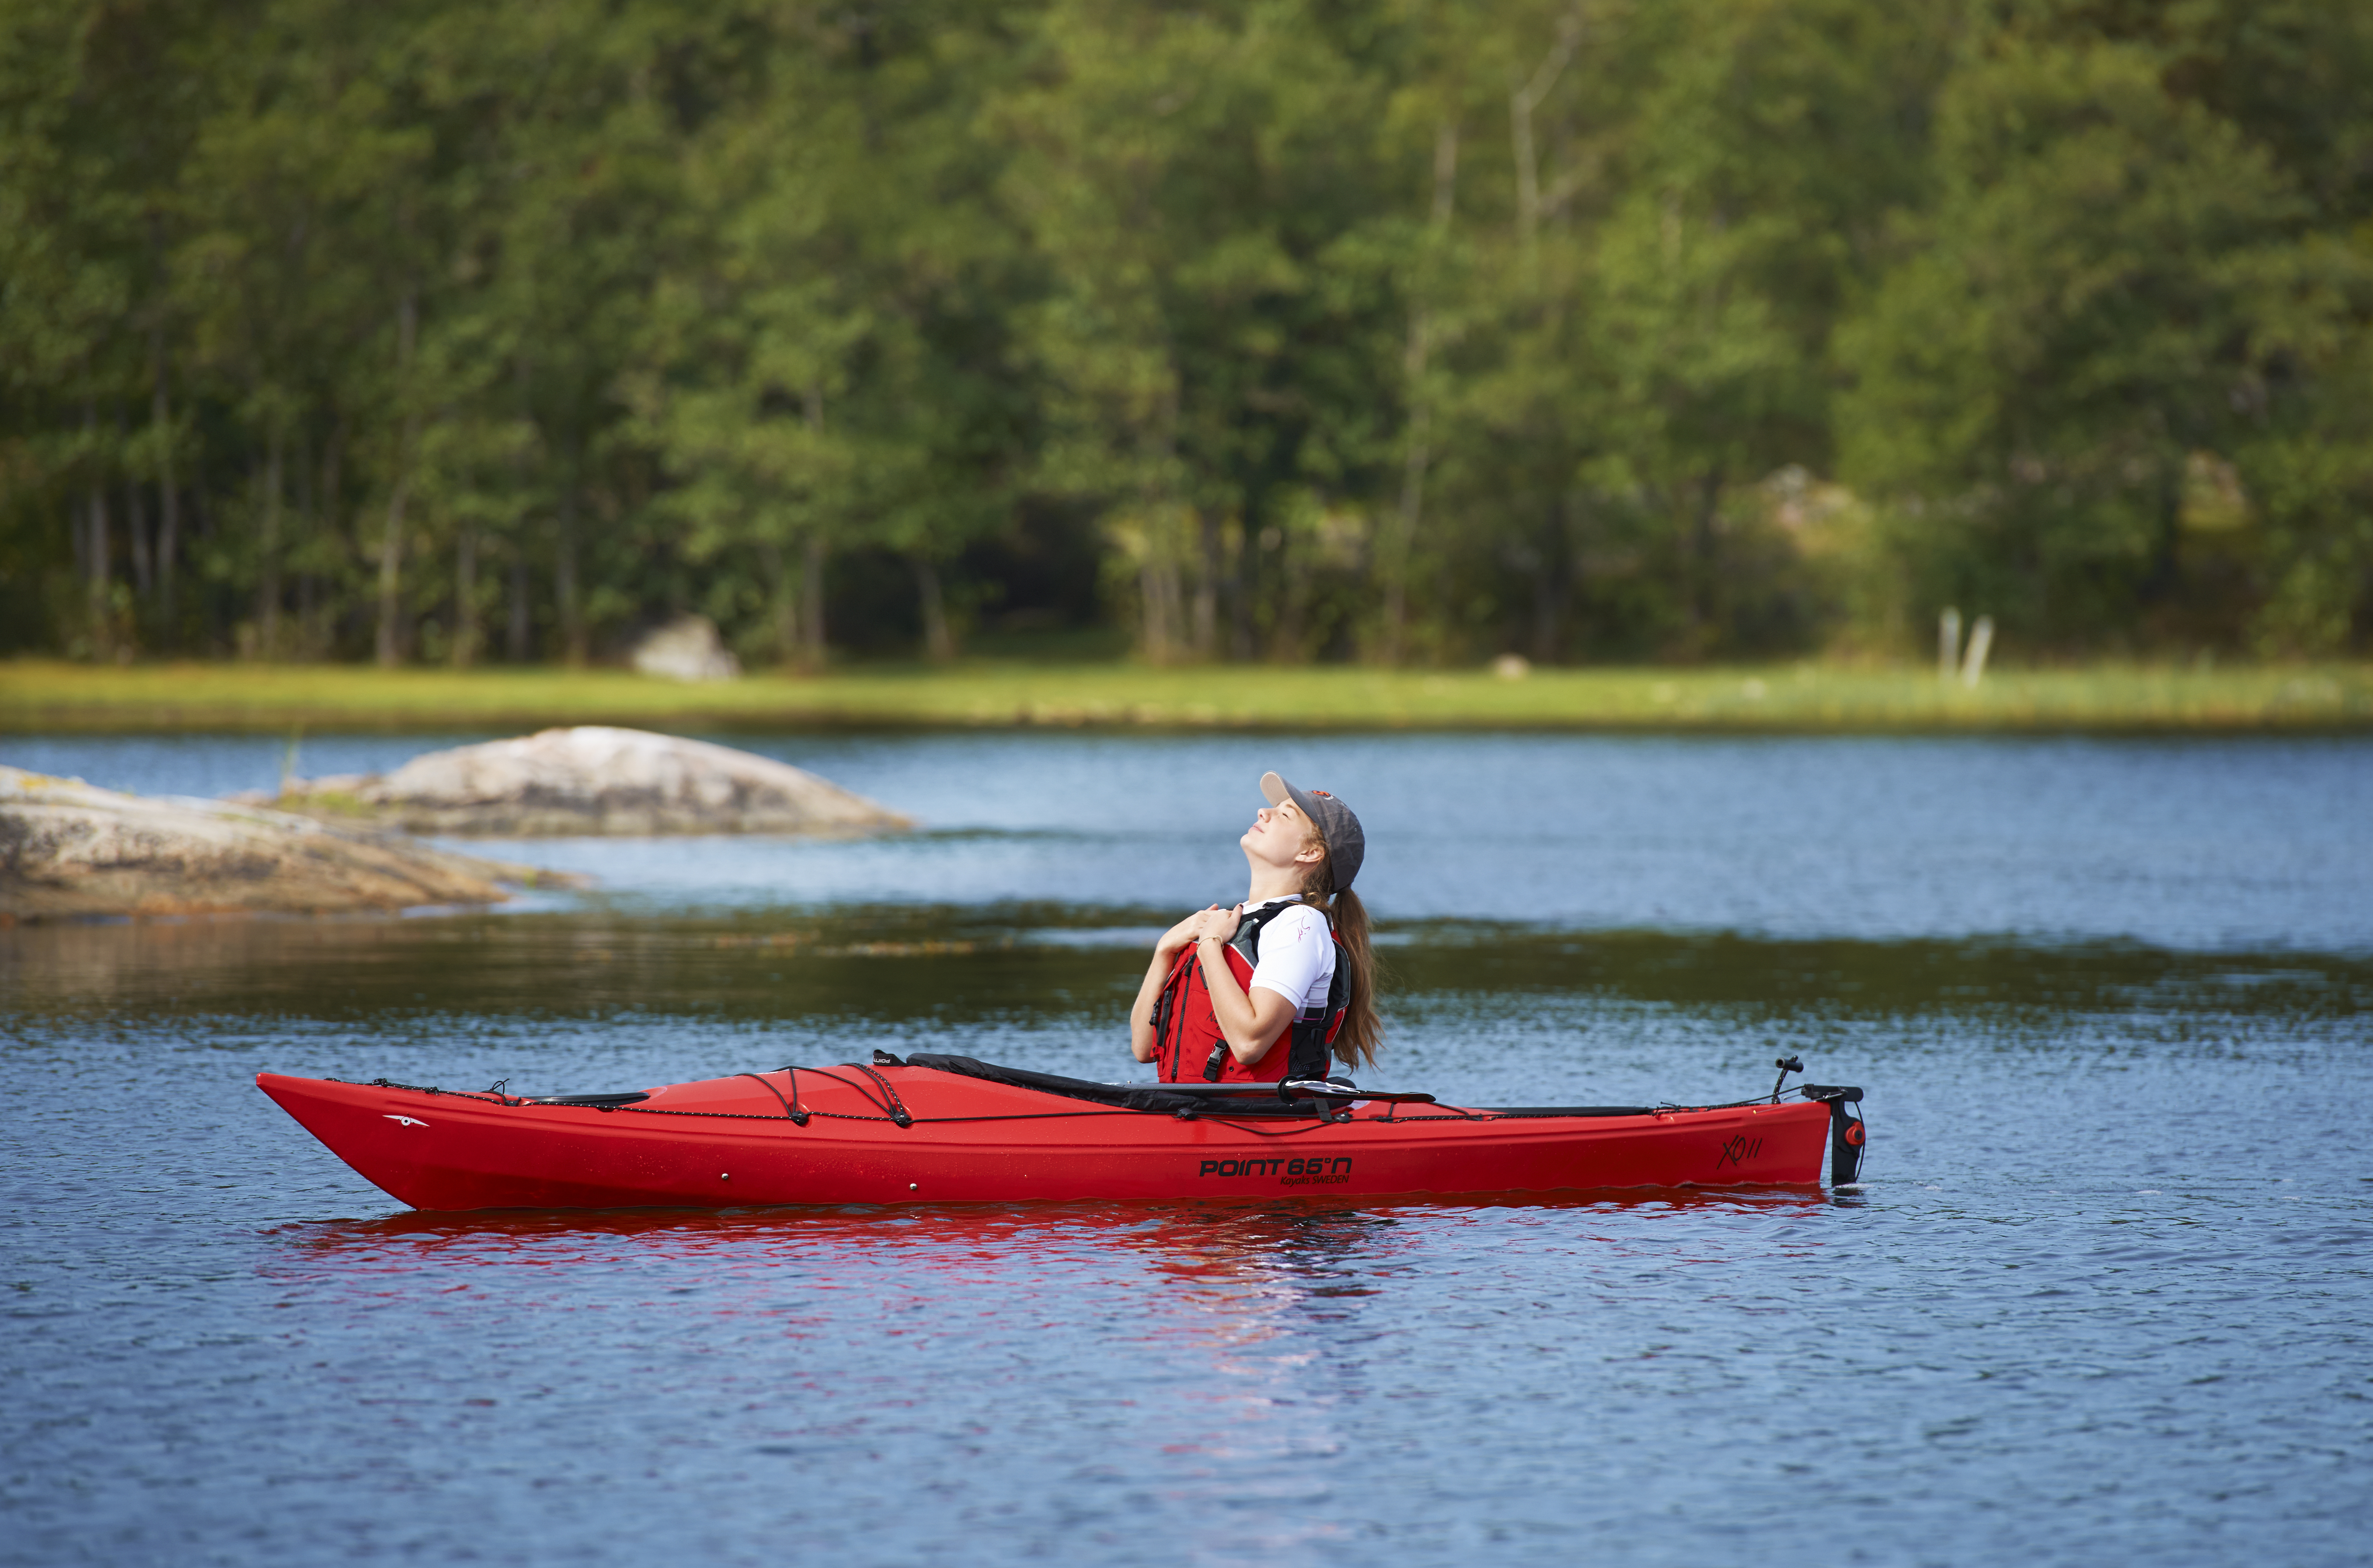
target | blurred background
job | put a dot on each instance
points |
(1341, 330)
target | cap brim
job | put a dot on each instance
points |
(1279, 791)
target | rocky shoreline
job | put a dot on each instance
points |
(71, 850)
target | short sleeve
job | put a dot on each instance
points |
(1297, 957)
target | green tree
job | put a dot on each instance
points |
(1220, 326)
(2108, 274)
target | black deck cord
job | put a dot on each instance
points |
(889, 1112)
(797, 1117)
(432, 1089)
(896, 1107)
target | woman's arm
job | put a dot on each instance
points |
(1142, 1043)
(1253, 1023)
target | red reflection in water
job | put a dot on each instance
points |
(1226, 1346)
(1211, 1242)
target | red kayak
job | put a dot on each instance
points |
(951, 1130)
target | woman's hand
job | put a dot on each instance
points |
(1222, 923)
(1185, 933)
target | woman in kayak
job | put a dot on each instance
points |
(1282, 986)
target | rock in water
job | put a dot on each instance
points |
(593, 779)
(67, 848)
(686, 648)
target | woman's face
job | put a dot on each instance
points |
(1281, 837)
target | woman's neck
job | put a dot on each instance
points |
(1271, 883)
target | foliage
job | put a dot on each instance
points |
(1271, 330)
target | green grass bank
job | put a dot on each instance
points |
(49, 695)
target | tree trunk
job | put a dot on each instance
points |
(210, 598)
(316, 628)
(1165, 609)
(564, 573)
(300, 640)
(135, 527)
(1579, 529)
(518, 626)
(1158, 586)
(1549, 589)
(811, 602)
(1204, 636)
(812, 556)
(1154, 614)
(135, 520)
(1521, 102)
(519, 632)
(1293, 568)
(101, 585)
(387, 643)
(169, 499)
(1241, 584)
(465, 596)
(782, 601)
(94, 545)
(267, 568)
(1697, 592)
(939, 645)
(1417, 453)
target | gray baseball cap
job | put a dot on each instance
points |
(1346, 845)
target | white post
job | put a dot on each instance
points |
(1982, 642)
(1948, 644)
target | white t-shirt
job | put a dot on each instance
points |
(1297, 956)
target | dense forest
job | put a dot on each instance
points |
(1270, 330)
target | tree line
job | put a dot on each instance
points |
(1278, 330)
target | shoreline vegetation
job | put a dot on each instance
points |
(45, 695)
(1700, 332)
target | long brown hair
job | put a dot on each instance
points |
(1363, 1032)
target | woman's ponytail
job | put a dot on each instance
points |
(1356, 1042)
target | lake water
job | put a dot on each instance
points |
(2103, 1295)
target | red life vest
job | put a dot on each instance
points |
(1190, 1046)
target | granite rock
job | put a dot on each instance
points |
(68, 848)
(686, 648)
(592, 779)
